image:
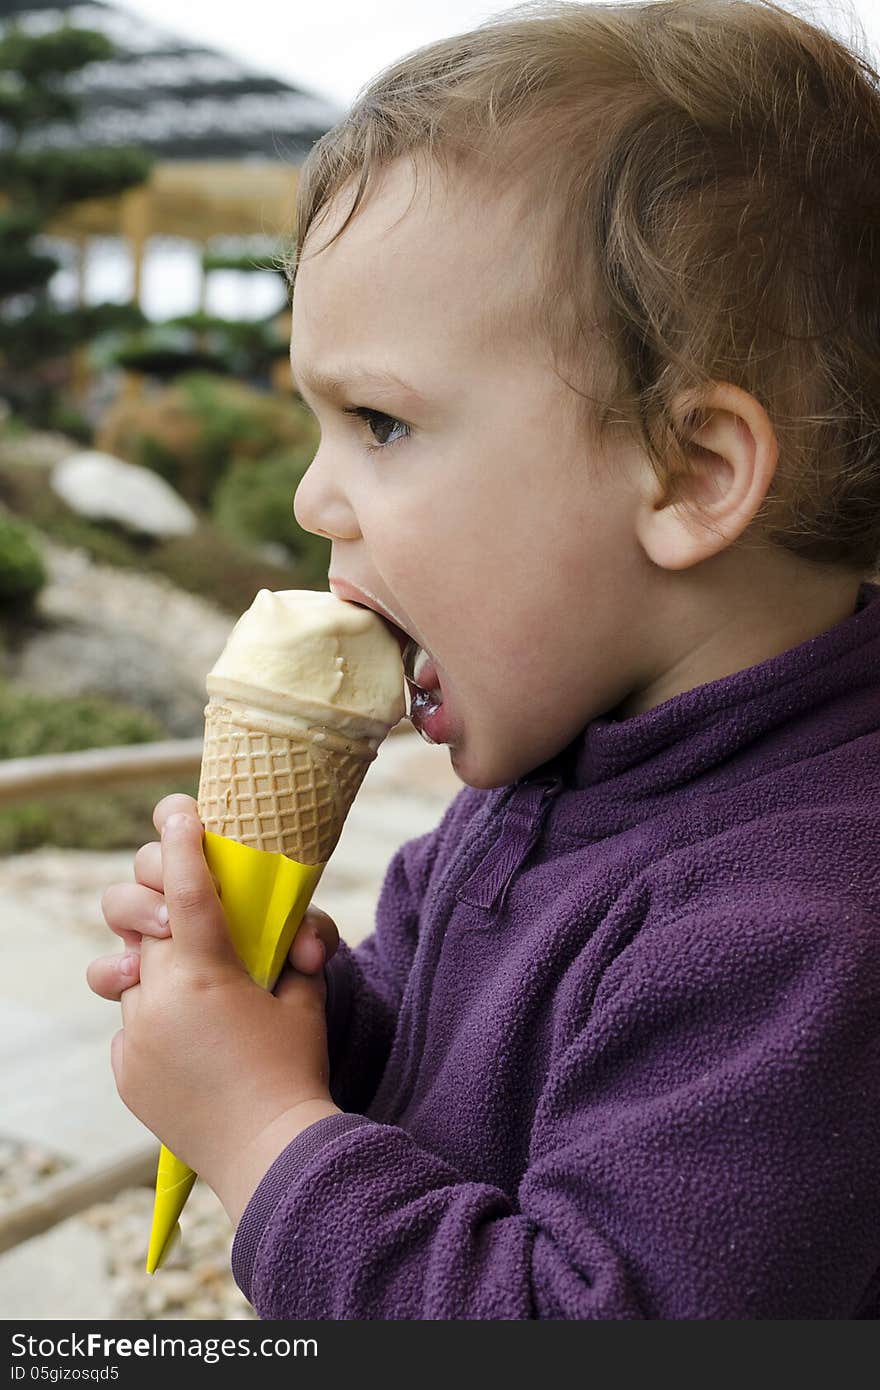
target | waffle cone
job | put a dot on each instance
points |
(277, 783)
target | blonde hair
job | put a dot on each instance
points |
(704, 180)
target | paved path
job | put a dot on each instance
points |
(57, 1088)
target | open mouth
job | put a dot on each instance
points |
(420, 670)
(422, 679)
(426, 694)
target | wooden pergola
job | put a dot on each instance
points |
(198, 200)
(195, 200)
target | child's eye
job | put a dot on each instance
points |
(378, 420)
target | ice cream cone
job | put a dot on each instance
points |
(278, 777)
(276, 782)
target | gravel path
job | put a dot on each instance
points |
(194, 1282)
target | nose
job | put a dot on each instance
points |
(321, 506)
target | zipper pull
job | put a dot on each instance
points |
(520, 831)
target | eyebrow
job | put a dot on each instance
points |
(334, 383)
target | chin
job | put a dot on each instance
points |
(484, 778)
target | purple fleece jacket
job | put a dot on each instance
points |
(613, 1049)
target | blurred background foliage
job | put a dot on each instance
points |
(116, 819)
(38, 184)
(196, 399)
(193, 431)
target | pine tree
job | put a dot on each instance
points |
(37, 181)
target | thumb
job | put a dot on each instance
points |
(196, 917)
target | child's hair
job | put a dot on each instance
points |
(702, 178)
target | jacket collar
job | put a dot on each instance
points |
(697, 730)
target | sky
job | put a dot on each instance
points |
(331, 48)
(334, 46)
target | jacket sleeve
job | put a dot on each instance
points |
(365, 984)
(705, 1147)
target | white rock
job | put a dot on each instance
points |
(105, 488)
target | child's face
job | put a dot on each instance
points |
(490, 533)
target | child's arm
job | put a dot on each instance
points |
(706, 1146)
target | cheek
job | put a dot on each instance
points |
(418, 539)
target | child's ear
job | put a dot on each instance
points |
(732, 452)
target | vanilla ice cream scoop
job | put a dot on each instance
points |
(317, 658)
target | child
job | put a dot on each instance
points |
(597, 365)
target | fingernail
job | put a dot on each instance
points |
(162, 914)
(176, 824)
(128, 963)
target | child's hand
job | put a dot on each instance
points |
(131, 911)
(222, 1071)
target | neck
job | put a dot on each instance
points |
(724, 622)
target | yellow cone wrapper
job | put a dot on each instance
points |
(264, 897)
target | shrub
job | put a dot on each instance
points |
(31, 725)
(193, 431)
(66, 418)
(12, 426)
(254, 503)
(22, 572)
(99, 819)
(210, 564)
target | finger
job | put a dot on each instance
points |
(198, 924)
(129, 1000)
(307, 952)
(148, 865)
(109, 976)
(316, 941)
(302, 991)
(151, 949)
(116, 1057)
(132, 912)
(175, 804)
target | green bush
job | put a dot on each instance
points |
(103, 818)
(95, 820)
(240, 423)
(254, 503)
(13, 427)
(193, 431)
(153, 453)
(213, 565)
(207, 562)
(66, 418)
(22, 572)
(31, 724)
